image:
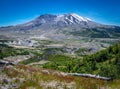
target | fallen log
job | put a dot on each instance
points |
(91, 76)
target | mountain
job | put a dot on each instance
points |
(71, 39)
(64, 20)
(67, 24)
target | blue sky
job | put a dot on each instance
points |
(19, 11)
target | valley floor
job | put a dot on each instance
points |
(40, 68)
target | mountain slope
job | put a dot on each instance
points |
(72, 23)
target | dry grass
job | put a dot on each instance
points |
(29, 77)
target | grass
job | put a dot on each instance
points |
(6, 51)
(60, 62)
(39, 78)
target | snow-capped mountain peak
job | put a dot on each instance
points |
(71, 18)
(80, 18)
(61, 20)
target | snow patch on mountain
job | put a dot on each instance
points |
(71, 18)
(79, 18)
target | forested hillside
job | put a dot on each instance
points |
(105, 63)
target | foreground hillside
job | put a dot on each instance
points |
(36, 75)
(28, 77)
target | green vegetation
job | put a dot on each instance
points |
(104, 63)
(54, 50)
(60, 62)
(6, 51)
(33, 59)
